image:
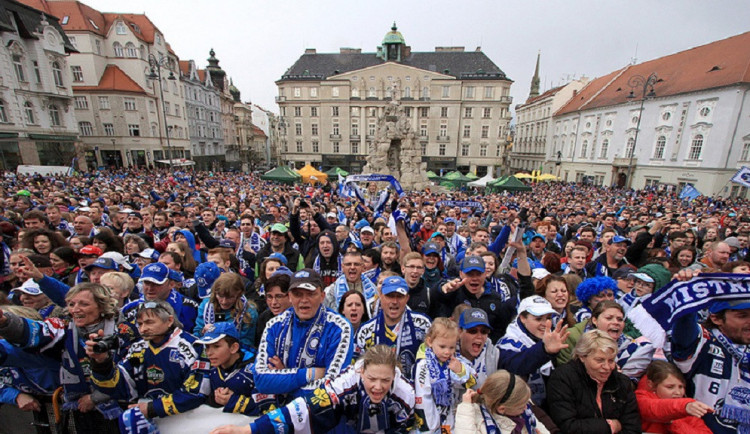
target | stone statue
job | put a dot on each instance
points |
(395, 150)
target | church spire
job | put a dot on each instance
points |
(534, 92)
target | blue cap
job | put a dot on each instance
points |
(105, 263)
(743, 303)
(450, 220)
(217, 331)
(619, 239)
(360, 224)
(156, 273)
(176, 276)
(536, 235)
(431, 248)
(283, 270)
(395, 284)
(149, 254)
(437, 234)
(229, 244)
(205, 275)
(278, 256)
(465, 210)
(473, 317)
(472, 263)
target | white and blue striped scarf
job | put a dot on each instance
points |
(368, 290)
(517, 340)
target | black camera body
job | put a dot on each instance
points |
(106, 343)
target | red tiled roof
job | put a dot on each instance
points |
(543, 95)
(184, 67)
(721, 63)
(202, 75)
(114, 79)
(257, 132)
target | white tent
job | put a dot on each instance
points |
(481, 182)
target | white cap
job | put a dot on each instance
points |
(119, 258)
(539, 273)
(535, 305)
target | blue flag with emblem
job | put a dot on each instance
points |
(689, 193)
(742, 176)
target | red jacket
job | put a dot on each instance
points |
(666, 415)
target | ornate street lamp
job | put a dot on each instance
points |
(156, 66)
(646, 86)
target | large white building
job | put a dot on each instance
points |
(37, 123)
(694, 125)
(203, 107)
(457, 102)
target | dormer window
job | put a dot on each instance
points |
(120, 28)
(64, 20)
(135, 27)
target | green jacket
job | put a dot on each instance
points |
(566, 354)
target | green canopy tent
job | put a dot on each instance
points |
(282, 174)
(472, 176)
(335, 172)
(509, 183)
(432, 175)
(454, 179)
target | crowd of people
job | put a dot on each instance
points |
(131, 296)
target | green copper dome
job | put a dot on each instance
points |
(394, 36)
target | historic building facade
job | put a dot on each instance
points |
(689, 124)
(457, 102)
(203, 107)
(529, 151)
(37, 121)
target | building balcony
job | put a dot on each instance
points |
(335, 136)
(280, 99)
(354, 137)
(369, 137)
(506, 99)
(423, 138)
(443, 138)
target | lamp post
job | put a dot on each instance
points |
(156, 66)
(646, 86)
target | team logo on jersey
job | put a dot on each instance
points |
(154, 375)
(714, 350)
(717, 367)
(741, 394)
(320, 398)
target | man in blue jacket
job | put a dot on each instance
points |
(303, 346)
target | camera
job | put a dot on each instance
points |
(106, 343)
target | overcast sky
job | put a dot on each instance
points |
(256, 41)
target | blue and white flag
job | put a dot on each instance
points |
(742, 176)
(689, 192)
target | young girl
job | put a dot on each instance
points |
(435, 376)
(228, 304)
(370, 397)
(663, 405)
(501, 406)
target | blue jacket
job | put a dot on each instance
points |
(335, 349)
(245, 398)
(247, 331)
(185, 308)
(27, 372)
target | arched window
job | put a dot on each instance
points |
(630, 148)
(54, 115)
(371, 93)
(118, 50)
(661, 143)
(57, 74)
(425, 92)
(130, 50)
(584, 148)
(28, 111)
(355, 92)
(696, 147)
(407, 92)
(605, 149)
(3, 113)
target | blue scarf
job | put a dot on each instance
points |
(497, 286)
(133, 421)
(316, 264)
(407, 343)
(459, 203)
(440, 378)
(371, 416)
(527, 419)
(209, 315)
(306, 353)
(368, 289)
(372, 274)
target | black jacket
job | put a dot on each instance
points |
(571, 394)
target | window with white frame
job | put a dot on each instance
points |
(371, 129)
(3, 112)
(488, 91)
(313, 92)
(441, 149)
(745, 152)
(314, 129)
(315, 146)
(109, 129)
(355, 147)
(483, 150)
(425, 92)
(131, 51)
(77, 72)
(469, 92)
(407, 112)
(54, 115)
(299, 146)
(497, 151)
(467, 131)
(630, 148)
(485, 131)
(355, 128)
(28, 111)
(407, 92)
(661, 143)
(81, 102)
(487, 112)
(468, 112)
(336, 147)
(335, 91)
(443, 112)
(134, 130)
(465, 150)
(335, 111)
(335, 129)
(424, 112)
(604, 150)
(129, 103)
(424, 148)
(314, 112)
(355, 111)
(584, 148)
(117, 47)
(355, 92)
(121, 28)
(85, 128)
(18, 67)
(298, 129)
(37, 71)
(297, 92)
(696, 147)
(443, 130)
(371, 93)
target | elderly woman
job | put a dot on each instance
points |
(588, 393)
(120, 284)
(92, 309)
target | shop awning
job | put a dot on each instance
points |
(178, 162)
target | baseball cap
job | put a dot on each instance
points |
(449, 220)
(732, 242)
(105, 263)
(536, 235)
(743, 303)
(29, 287)
(395, 284)
(331, 215)
(619, 239)
(90, 251)
(306, 278)
(125, 211)
(430, 248)
(118, 258)
(279, 227)
(205, 275)
(280, 257)
(539, 273)
(229, 244)
(367, 229)
(535, 305)
(473, 317)
(217, 331)
(472, 263)
(465, 210)
(156, 273)
(283, 270)
(175, 275)
(642, 276)
(624, 272)
(149, 254)
(437, 234)
(135, 214)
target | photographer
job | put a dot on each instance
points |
(163, 366)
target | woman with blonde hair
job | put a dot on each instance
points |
(228, 303)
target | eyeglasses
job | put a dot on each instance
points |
(277, 297)
(482, 330)
(414, 267)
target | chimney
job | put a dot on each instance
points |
(310, 51)
(451, 49)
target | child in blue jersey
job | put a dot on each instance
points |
(164, 366)
(231, 378)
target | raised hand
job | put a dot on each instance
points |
(554, 339)
(453, 285)
(30, 270)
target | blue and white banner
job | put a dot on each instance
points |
(689, 193)
(377, 177)
(742, 176)
(459, 203)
